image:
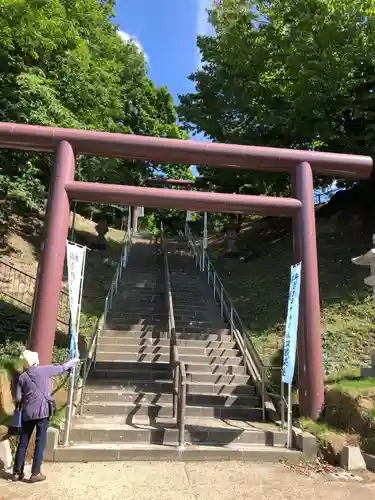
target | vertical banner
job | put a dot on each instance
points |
(76, 255)
(141, 211)
(291, 327)
(290, 342)
(129, 221)
(204, 241)
(189, 216)
(205, 231)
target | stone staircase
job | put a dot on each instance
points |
(222, 390)
(128, 399)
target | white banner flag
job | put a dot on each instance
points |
(75, 256)
(291, 327)
(76, 261)
(141, 211)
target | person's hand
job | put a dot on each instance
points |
(69, 364)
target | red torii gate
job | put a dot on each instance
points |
(162, 181)
(66, 143)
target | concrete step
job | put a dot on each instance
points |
(223, 369)
(128, 410)
(132, 284)
(192, 302)
(181, 308)
(190, 293)
(192, 399)
(140, 300)
(116, 331)
(151, 345)
(163, 357)
(130, 374)
(217, 378)
(158, 316)
(138, 307)
(166, 386)
(202, 336)
(152, 411)
(125, 396)
(138, 374)
(100, 430)
(207, 327)
(140, 292)
(144, 296)
(104, 452)
(161, 327)
(146, 326)
(137, 313)
(204, 330)
(188, 283)
(134, 318)
(150, 342)
(129, 288)
(157, 350)
(135, 295)
(142, 280)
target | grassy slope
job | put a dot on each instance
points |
(259, 287)
(21, 249)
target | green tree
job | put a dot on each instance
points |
(63, 63)
(286, 73)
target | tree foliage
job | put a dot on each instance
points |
(286, 73)
(63, 63)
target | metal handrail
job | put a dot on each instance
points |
(178, 366)
(100, 324)
(257, 369)
(20, 293)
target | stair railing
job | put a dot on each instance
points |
(178, 366)
(100, 325)
(260, 372)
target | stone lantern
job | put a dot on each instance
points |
(368, 259)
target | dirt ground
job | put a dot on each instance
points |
(184, 481)
(23, 244)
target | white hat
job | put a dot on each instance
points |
(30, 358)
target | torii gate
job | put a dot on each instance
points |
(162, 181)
(67, 143)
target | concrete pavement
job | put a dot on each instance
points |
(183, 481)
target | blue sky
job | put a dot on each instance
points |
(167, 31)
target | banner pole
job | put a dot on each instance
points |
(282, 405)
(290, 422)
(68, 423)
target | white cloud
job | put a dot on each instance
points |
(126, 38)
(202, 26)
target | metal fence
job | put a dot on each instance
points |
(18, 287)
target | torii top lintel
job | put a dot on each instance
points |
(93, 143)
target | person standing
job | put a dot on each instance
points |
(33, 396)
